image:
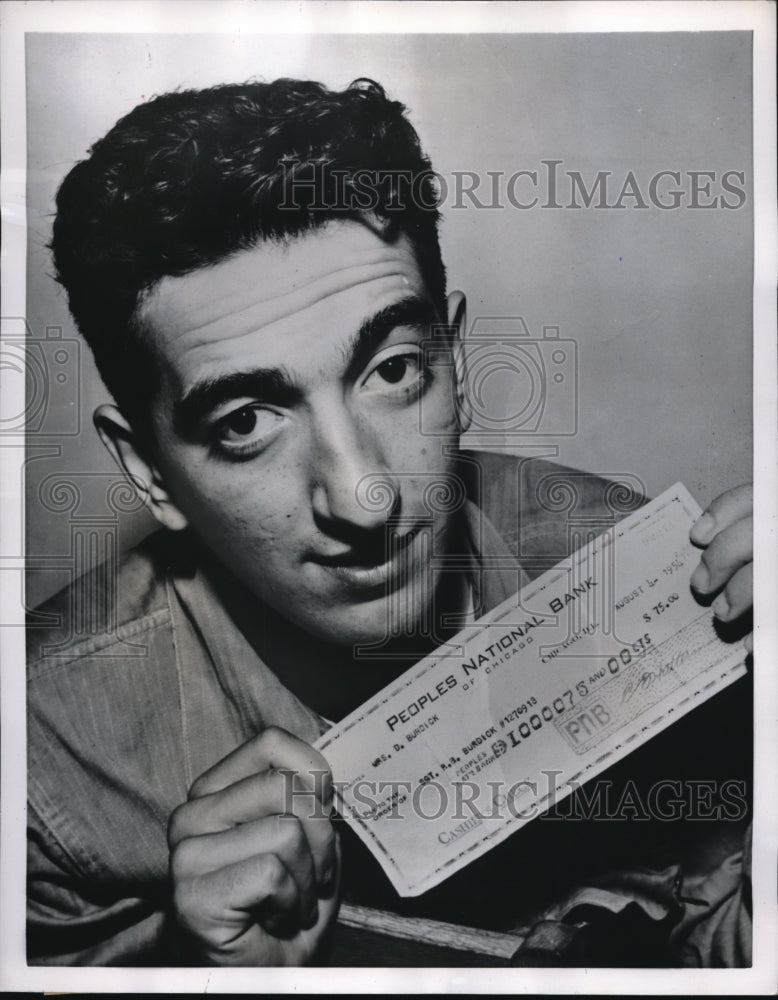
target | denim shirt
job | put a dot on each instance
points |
(158, 684)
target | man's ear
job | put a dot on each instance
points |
(119, 438)
(457, 320)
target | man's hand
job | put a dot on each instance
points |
(725, 530)
(255, 860)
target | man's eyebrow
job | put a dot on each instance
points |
(270, 385)
(413, 311)
(274, 386)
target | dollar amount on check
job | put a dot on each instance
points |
(581, 667)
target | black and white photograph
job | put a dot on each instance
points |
(388, 445)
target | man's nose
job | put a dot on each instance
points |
(351, 482)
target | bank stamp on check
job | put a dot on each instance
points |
(570, 675)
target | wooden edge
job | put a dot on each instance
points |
(434, 932)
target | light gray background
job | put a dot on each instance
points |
(658, 302)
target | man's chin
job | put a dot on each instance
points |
(379, 624)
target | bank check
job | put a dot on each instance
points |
(581, 667)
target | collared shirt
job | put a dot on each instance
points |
(124, 716)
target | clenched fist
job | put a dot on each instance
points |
(254, 858)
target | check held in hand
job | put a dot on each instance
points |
(556, 684)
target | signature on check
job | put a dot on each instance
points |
(648, 678)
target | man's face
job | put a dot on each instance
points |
(288, 375)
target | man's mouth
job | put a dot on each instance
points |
(370, 567)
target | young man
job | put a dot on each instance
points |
(257, 271)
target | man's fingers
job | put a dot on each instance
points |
(736, 598)
(724, 511)
(260, 885)
(279, 835)
(730, 549)
(252, 798)
(260, 795)
(273, 748)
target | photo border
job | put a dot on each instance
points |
(358, 17)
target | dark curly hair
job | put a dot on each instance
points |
(191, 177)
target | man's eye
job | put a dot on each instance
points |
(247, 428)
(393, 370)
(242, 421)
(398, 372)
